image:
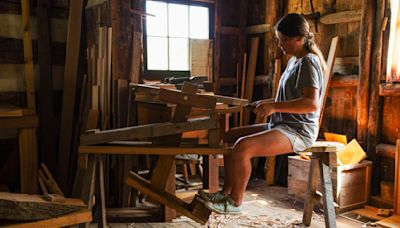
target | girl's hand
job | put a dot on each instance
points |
(264, 109)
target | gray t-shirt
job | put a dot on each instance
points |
(299, 73)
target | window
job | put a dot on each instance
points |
(168, 34)
(393, 60)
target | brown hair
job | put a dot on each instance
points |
(293, 25)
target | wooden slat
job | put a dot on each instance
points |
(386, 150)
(389, 89)
(46, 115)
(396, 198)
(27, 38)
(251, 72)
(28, 160)
(156, 150)
(147, 131)
(165, 198)
(366, 29)
(328, 75)
(323, 146)
(19, 122)
(256, 29)
(341, 17)
(391, 222)
(151, 90)
(374, 99)
(70, 84)
(187, 99)
(344, 81)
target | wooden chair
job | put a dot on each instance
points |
(320, 156)
(166, 143)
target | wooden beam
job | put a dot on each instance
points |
(386, 150)
(155, 150)
(389, 89)
(229, 30)
(28, 57)
(340, 81)
(70, 84)
(375, 101)
(366, 29)
(257, 29)
(19, 122)
(147, 131)
(182, 98)
(165, 198)
(251, 71)
(46, 115)
(341, 17)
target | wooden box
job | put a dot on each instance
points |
(351, 183)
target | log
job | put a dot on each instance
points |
(15, 206)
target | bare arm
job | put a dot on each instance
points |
(307, 104)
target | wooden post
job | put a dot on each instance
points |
(217, 46)
(70, 82)
(375, 101)
(366, 30)
(46, 117)
(28, 58)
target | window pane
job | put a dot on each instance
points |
(178, 54)
(157, 53)
(178, 20)
(157, 25)
(199, 24)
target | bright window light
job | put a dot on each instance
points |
(178, 20)
(199, 24)
(168, 33)
(179, 54)
(393, 60)
(156, 25)
(157, 53)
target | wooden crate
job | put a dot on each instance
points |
(351, 183)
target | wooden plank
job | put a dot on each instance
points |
(122, 102)
(56, 189)
(251, 71)
(27, 38)
(341, 17)
(152, 90)
(344, 81)
(386, 150)
(391, 222)
(396, 197)
(28, 160)
(182, 98)
(70, 84)
(155, 150)
(389, 89)
(311, 188)
(217, 46)
(46, 115)
(366, 29)
(323, 146)
(19, 122)
(327, 191)
(257, 29)
(23, 207)
(328, 75)
(81, 216)
(165, 198)
(147, 131)
(374, 99)
(229, 30)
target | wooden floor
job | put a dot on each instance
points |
(264, 207)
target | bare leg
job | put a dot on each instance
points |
(266, 143)
(231, 137)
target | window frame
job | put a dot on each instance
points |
(162, 74)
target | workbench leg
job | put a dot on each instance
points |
(311, 190)
(327, 191)
(88, 186)
(28, 158)
(100, 194)
(210, 173)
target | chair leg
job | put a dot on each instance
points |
(311, 189)
(327, 192)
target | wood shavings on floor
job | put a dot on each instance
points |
(276, 220)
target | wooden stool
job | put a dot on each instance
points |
(319, 154)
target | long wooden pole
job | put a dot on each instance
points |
(374, 104)
(366, 29)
